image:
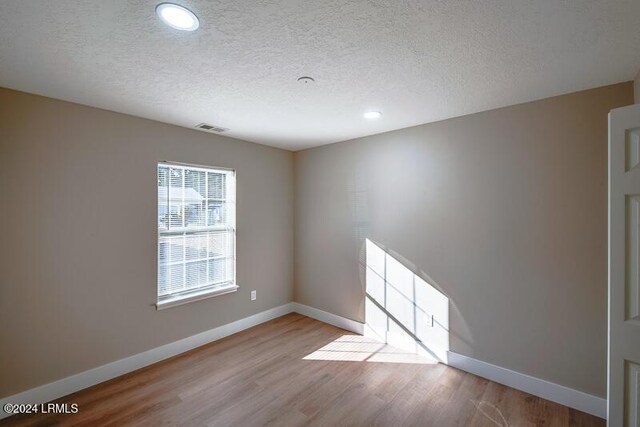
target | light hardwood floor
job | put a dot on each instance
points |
(274, 374)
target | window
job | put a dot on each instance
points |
(196, 233)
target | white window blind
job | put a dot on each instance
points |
(196, 233)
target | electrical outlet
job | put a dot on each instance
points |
(430, 320)
(253, 295)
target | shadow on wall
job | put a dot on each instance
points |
(402, 309)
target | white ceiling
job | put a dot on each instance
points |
(416, 61)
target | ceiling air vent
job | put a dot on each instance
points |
(211, 128)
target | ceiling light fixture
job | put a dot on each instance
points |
(177, 17)
(372, 115)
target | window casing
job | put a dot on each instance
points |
(196, 233)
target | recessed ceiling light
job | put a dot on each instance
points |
(177, 17)
(372, 115)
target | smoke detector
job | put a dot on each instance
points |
(211, 128)
(306, 80)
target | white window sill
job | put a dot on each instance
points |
(195, 296)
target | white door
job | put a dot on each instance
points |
(624, 267)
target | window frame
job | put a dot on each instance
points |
(185, 297)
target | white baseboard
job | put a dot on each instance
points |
(547, 390)
(330, 318)
(556, 393)
(65, 386)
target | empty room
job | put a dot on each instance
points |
(329, 213)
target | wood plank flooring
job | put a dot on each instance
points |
(295, 371)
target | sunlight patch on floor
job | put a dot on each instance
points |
(357, 348)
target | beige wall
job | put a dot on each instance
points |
(78, 244)
(504, 210)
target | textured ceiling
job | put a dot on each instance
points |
(416, 61)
